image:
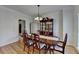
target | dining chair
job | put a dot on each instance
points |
(39, 45)
(27, 41)
(59, 45)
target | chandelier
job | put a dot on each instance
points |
(38, 18)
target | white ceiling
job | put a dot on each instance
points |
(32, 10)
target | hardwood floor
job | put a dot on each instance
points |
(17, 48)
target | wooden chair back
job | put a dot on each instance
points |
(25, 37)
(64, 43)
(36, 36)
(65, 40)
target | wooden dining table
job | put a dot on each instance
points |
(49, 41)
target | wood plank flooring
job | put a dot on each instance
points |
(17, 48)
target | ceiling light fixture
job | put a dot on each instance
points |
(38, 18)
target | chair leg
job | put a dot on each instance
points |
(50, 51)
(28, 50)
(63, 52)
(53, 51)
(45, 51)
(24, 48)
(39, 51)
(33, 49)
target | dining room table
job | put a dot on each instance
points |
(48, 40)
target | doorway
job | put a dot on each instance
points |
(21, 26)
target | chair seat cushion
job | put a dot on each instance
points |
(41, 45)
(30, 42)
(60, 44)
(57, 48)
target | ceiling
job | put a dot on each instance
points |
(32, 10)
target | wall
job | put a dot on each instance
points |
(75, 41)
(78, 33)
(9, 25)
(77, 26)
(68, 24)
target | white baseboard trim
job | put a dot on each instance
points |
(8, 42)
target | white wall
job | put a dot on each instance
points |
(75, 41)
(77, 25)
(78, 33)
(9, 25)
(68, 24)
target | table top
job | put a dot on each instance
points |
(48, 37)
